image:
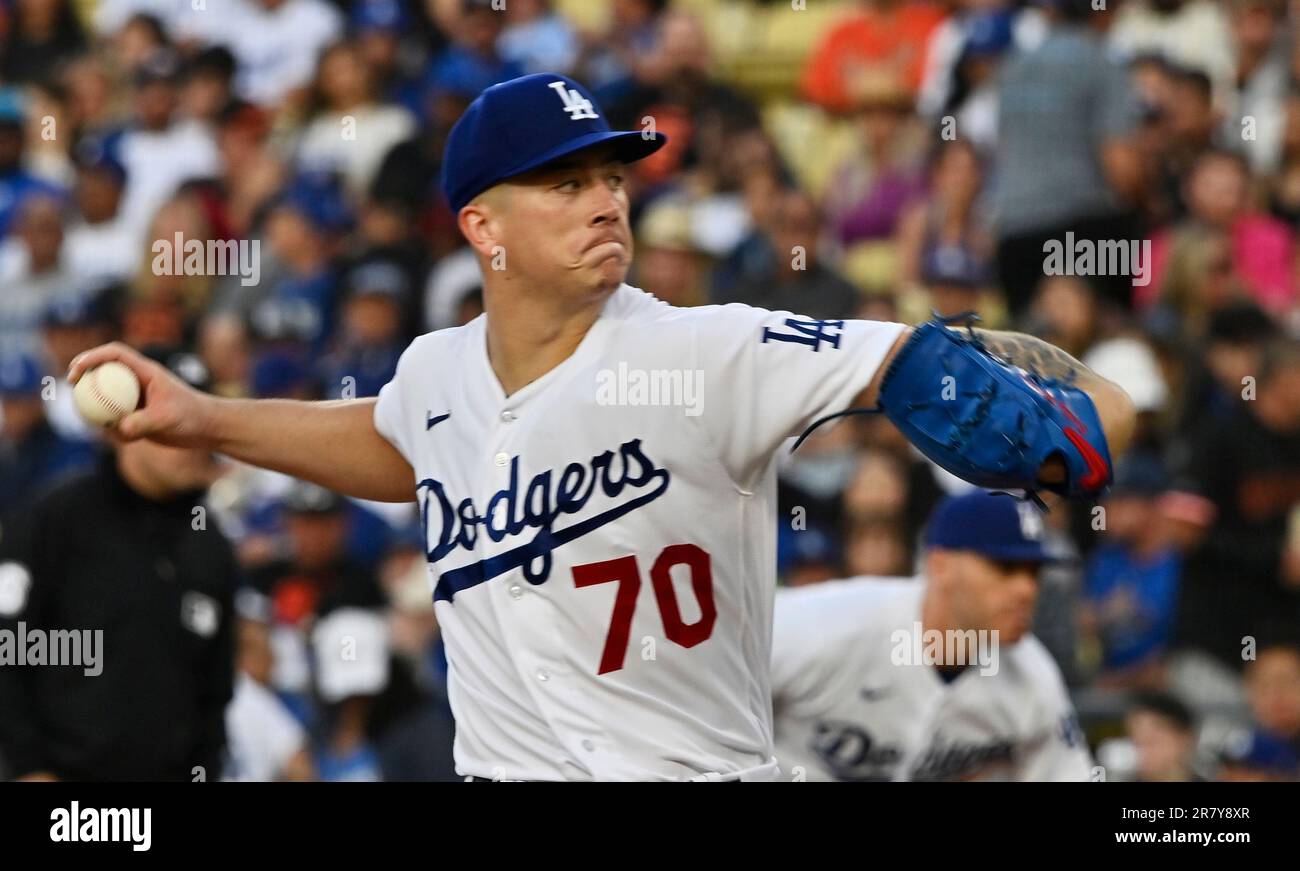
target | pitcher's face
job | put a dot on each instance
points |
(565, 226)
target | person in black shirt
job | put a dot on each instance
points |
(1236, 497)
(128, 550)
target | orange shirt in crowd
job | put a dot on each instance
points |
(872, 45)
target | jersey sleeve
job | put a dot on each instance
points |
(393, 411)
(1061, 752)
(768, 375)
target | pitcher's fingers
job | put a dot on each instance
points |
(112, 436)
(138, 424)
(119, 351)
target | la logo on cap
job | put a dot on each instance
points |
(578, 106)
(1031, 522)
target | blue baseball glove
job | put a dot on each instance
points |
(988, 421)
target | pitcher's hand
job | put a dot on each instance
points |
(170, 412)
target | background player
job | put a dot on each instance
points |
(853, 701)
(561, 527)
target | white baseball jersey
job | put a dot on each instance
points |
(601, 543)
(851, 704)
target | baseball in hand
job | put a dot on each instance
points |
(107, 393)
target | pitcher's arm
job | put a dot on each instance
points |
(331, 443)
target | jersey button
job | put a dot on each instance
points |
(543, 674)
(503, 459)
(516, 591)
(507, 416)
(588, 744)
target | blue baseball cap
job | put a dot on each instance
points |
(994, 525)
(20, 375)
(100, 153)
(1260, 751)
(318, 197)
(989, 34)
(524, 123)
(381, 15)
(799, 547)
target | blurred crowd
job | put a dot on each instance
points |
(880, 159)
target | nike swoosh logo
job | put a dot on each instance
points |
(870, 694)
(430, 421)
(1098, 469)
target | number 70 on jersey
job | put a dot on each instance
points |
(627, 574)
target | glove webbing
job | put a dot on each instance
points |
(986, 396)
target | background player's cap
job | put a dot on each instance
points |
(521, 124)
(995, 525)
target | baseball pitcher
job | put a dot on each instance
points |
(600, 541)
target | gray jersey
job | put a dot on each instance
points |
(850, 706)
